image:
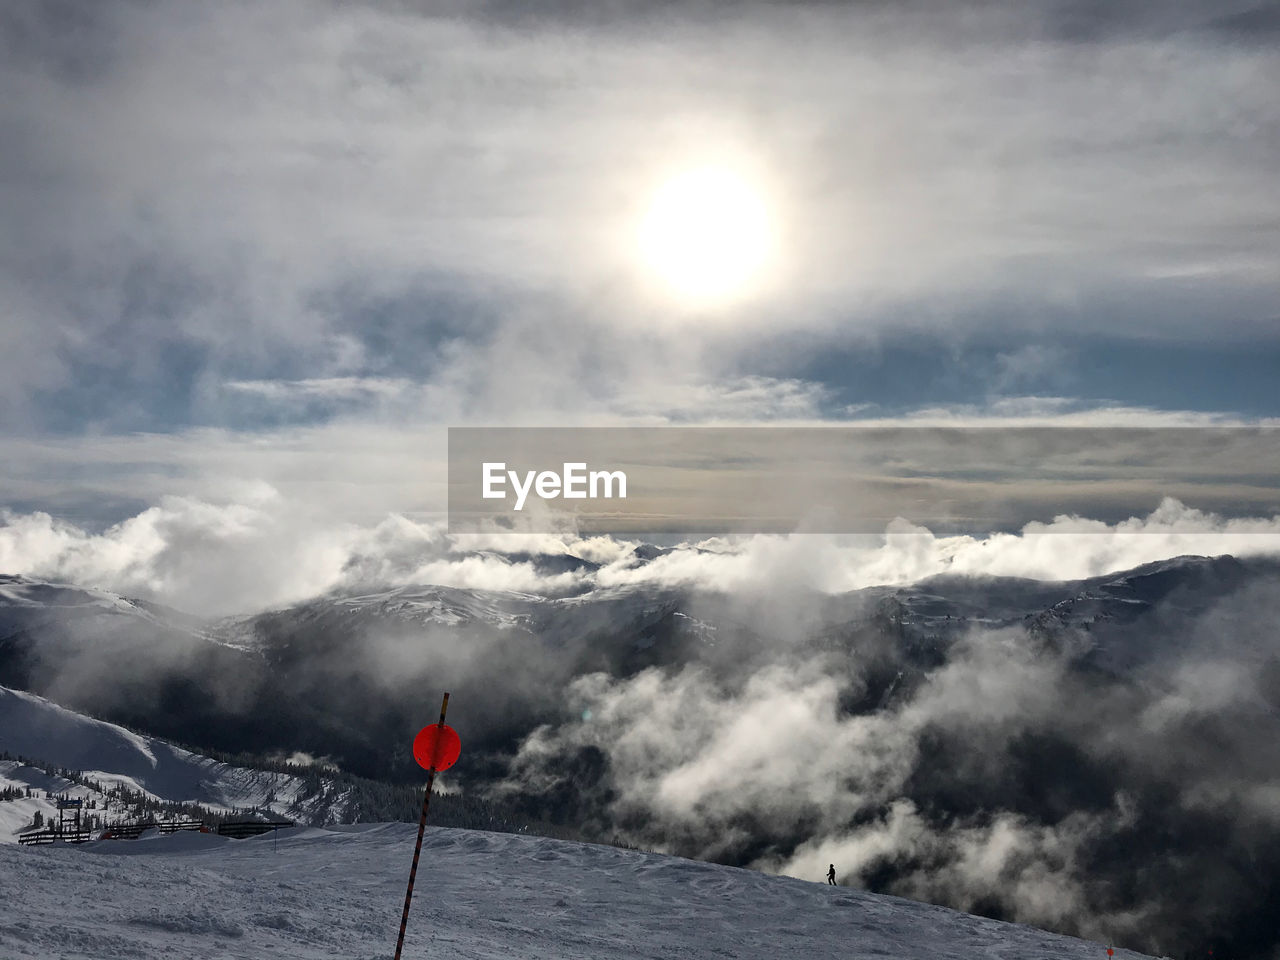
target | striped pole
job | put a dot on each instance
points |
(417, 847)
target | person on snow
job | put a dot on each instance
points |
(831, 875)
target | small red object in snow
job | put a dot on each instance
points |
(436, 747)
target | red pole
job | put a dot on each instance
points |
(417, 848)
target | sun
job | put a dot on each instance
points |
(706, 236)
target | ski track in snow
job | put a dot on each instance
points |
(316, 893)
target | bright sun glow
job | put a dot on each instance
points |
(707, 235)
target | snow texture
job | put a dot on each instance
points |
(316, 893)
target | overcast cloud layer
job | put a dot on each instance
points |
(308, 217)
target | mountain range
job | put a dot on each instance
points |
(1107, 747)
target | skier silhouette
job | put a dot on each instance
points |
(831, 875)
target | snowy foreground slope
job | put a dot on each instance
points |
(337, 893)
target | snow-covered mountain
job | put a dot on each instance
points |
(980, 740)
(31, 608)
(345, 675)
(33, 605)
(104, 756)
(425, 606)
(317, 893)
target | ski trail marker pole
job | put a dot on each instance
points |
(436, 748)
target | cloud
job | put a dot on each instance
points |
(1002, 775)
(234, 554)
(1030, 364)
(193, 554)
(1063, 549)
(749, 399)
(338, 388)
(397, 194)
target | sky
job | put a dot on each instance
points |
(255, 251)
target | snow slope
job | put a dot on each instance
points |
(35, 728)
(319, 893)
(49, 599)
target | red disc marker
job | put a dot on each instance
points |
(436, 746)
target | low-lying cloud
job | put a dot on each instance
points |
(261, 551)
(1016, 778)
